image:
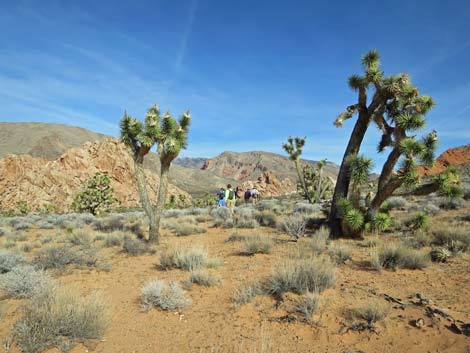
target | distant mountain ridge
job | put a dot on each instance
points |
(195, 175)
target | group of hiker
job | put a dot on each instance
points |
(228, 197)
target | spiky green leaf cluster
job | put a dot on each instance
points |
(449, 183)
(294, 147)
(382, 222)
(354, 219)
(360, 168)
(318, 186)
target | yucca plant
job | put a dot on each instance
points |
(170, 137)
(440, 255)
(396, 108)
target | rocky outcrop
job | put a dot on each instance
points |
(453, 156)
(39, 181)
(269, 185)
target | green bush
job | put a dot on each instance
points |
(9, 260)
(23, 207)
(398, 256)
(96, 195)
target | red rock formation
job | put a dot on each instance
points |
(39, 181)
(269, 185)
(453, 156)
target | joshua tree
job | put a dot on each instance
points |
(312, 184)
(397, 108)
(170, 137)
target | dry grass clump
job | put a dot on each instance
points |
(57, 257)
(136, 247)
(317, 244)
(17, 236)
(113, 239)
(59, 318)
(157, 293)
(204, 278)
(79, 237)
(308, 208)
(9, 260)
(340, 253)
(2, 232)
(419, 241)
(294, 226)
(185, 229)
(245, 218)
(398, 256)
(236, 237)
(308, 304)
(246, 293)
(257, 244)
(398, 202)
(25, 281)
(186, 259)
(371, 312)
(301, 276)
(453, 238)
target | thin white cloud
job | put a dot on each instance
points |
(187, 33)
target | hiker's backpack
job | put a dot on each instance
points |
(221, 195)
(247, 194)
(231, 195)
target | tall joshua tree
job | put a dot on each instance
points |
(397, 108)
(170, 137)
(294, 147)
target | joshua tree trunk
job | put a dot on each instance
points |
(164, 171)
(343, 181)
(144, 197)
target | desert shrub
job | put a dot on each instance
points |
(398, 256)
(203, 218)
(113, 239)
(267, 205)
(26, 247)
(80, 238)
(114, 222)
(186, 259)
(185, 229)
(221, 213)
(419, 241)
(397, 202)
(170, 296)
(301, 276)
(294, 226)
(23, 225)
(18, 236)
(453, 238)
(308, 304)
(257, 244)
(136, 247)
(236, 237)
(419, 221)
(174, 213)
(466, 192)
(371, 312)
(198, 211)
(430, 208)
(204, 278)
(440, 254)
(381, 222)
(244, 218)
(60, 316)
(25, 281)
(55, 257)
(9, 260)
(304, 207)
(44, 225)
(246, 293)
(9, 244)
(340, 253)
(44, 239)
(2, 232)
(451, 204)
(266, 218)
(23, 207)
(95, 196)
(317, 244)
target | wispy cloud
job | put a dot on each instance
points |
(187, 33)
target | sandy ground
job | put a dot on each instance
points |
(213, 324)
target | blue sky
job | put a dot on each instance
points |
(252, 72)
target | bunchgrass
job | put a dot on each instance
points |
(257, 244)
(157, 293)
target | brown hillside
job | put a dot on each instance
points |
(453, 156)
(251, 165)
(39, 181)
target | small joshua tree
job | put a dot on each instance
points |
(96, 195)
(170, 137)
(311, 183)
(396, 108)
